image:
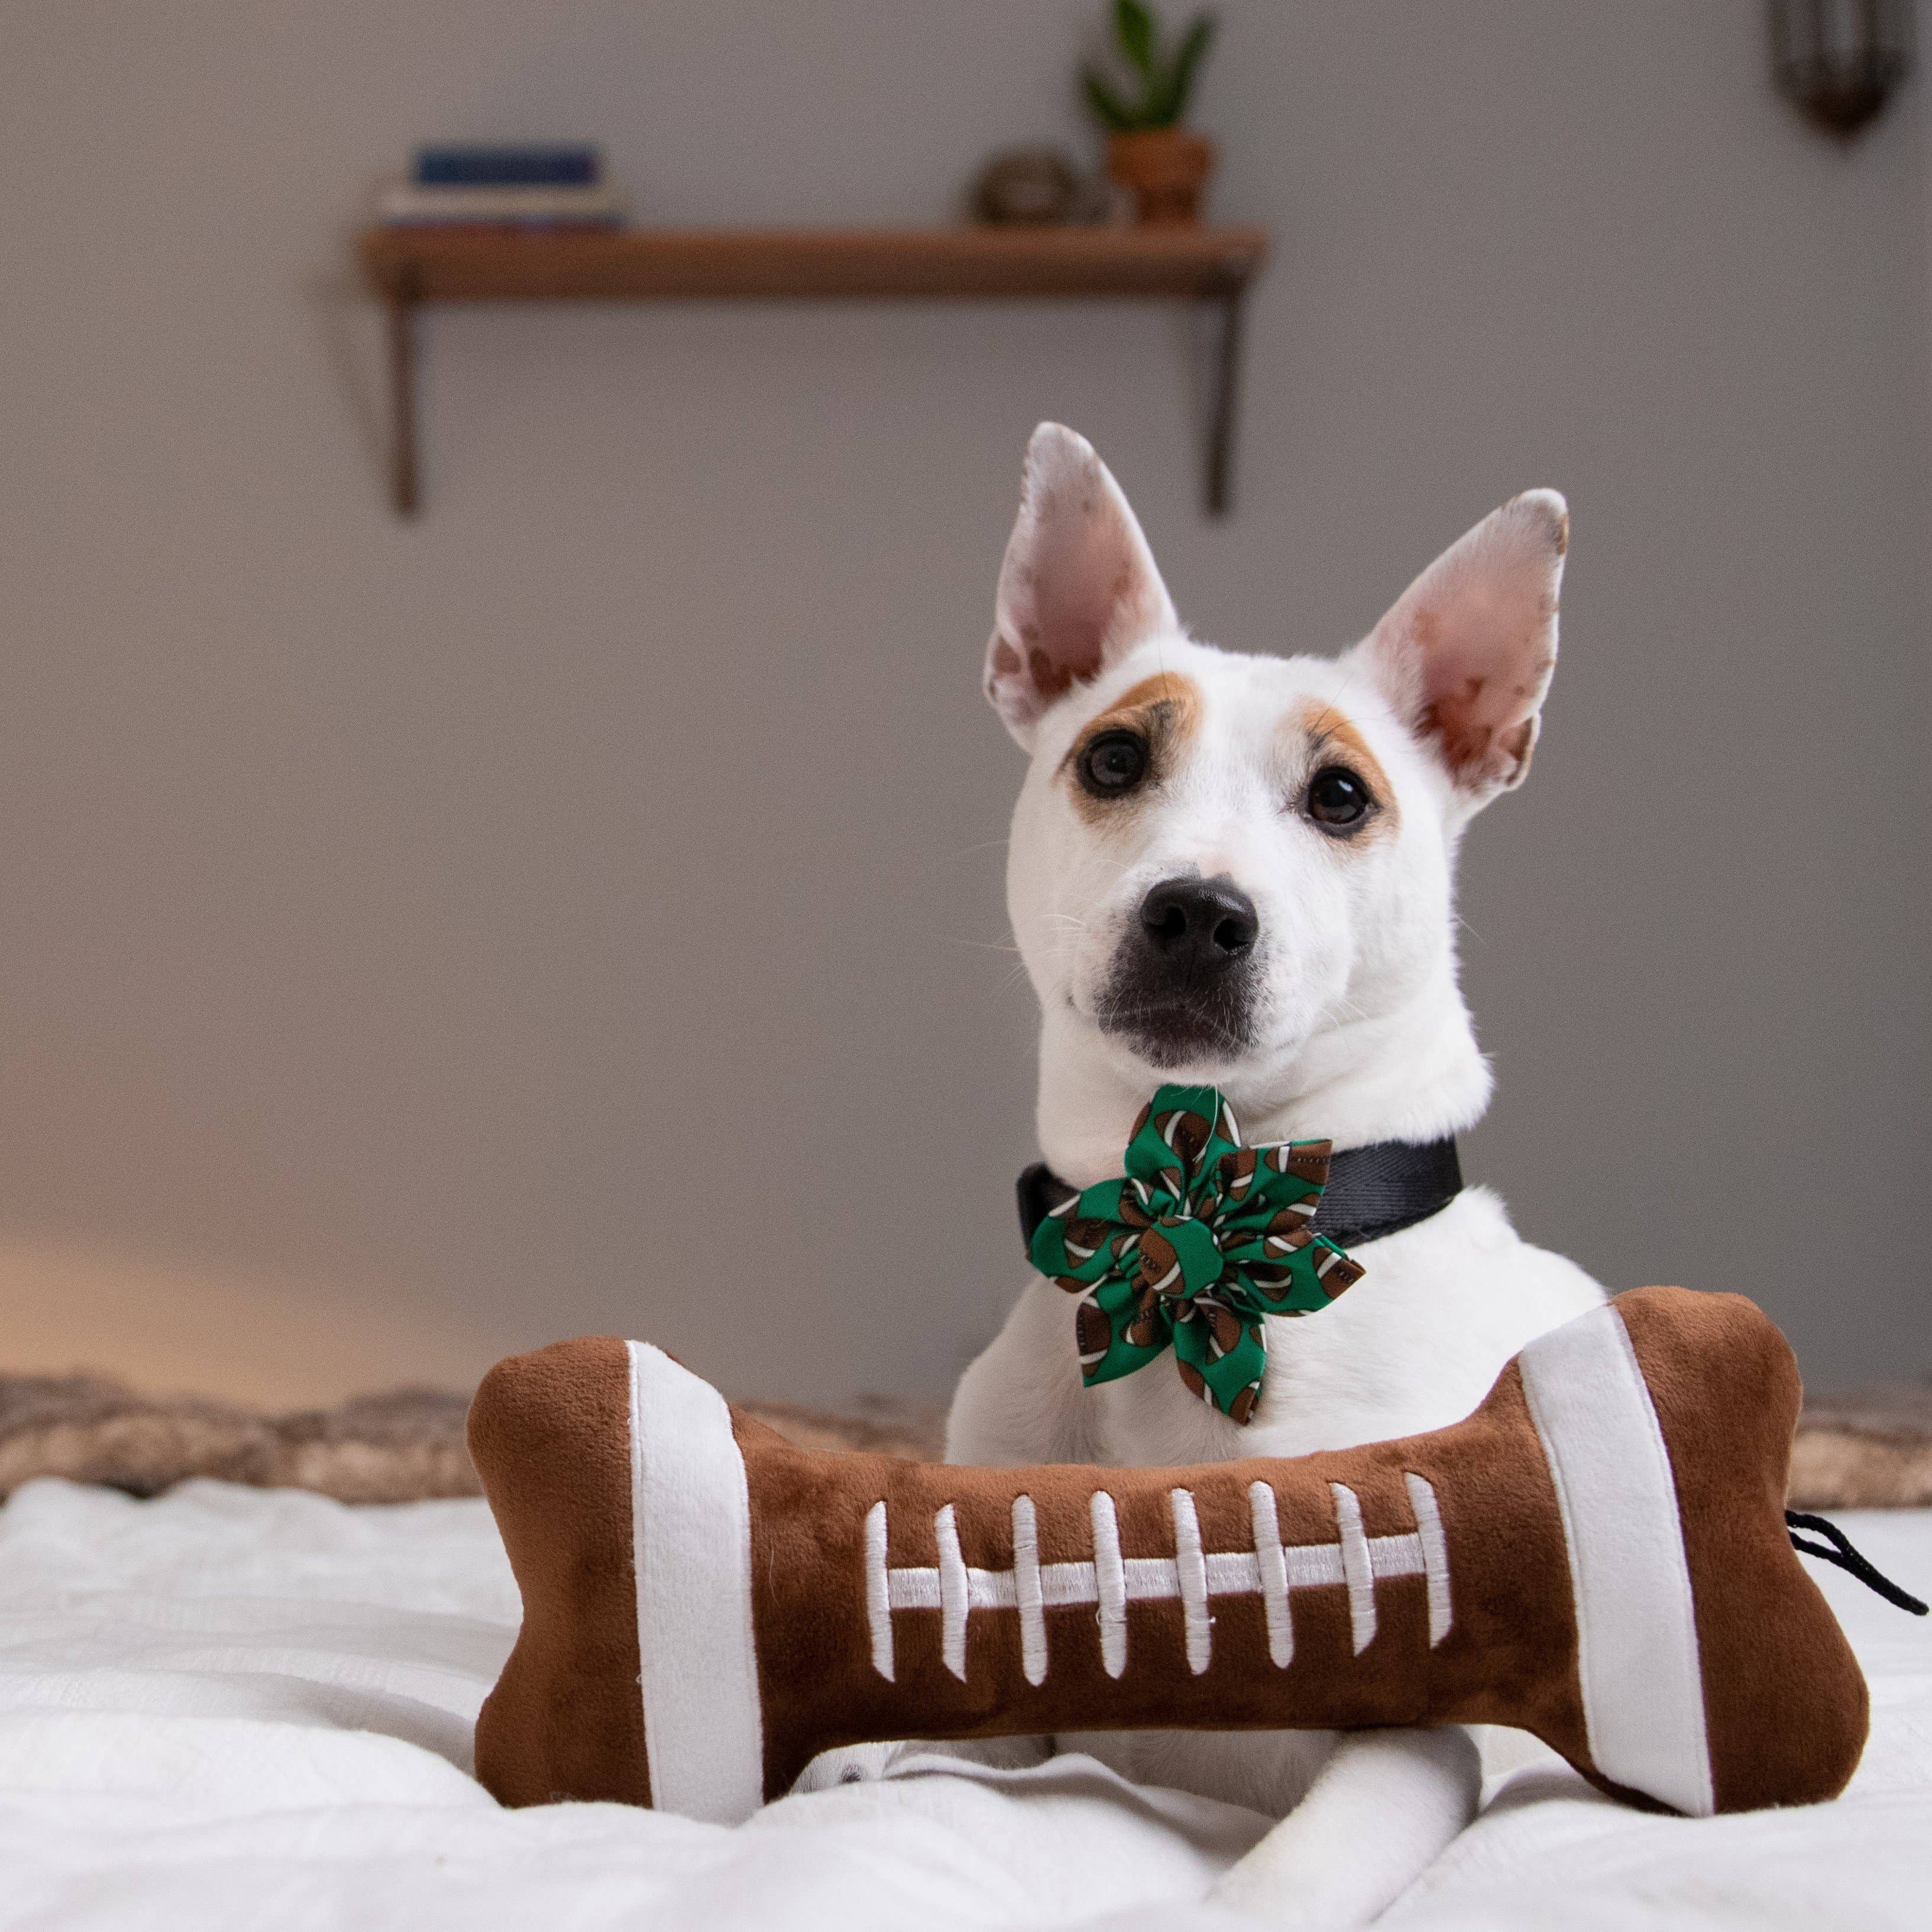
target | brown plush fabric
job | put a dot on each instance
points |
(1784, 1700)
(403, 1447)
(1509, 1658)
(563, 1416)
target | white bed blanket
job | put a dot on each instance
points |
(237, 1708)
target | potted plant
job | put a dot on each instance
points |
(1148, 152)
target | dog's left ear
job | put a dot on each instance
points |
(1079, 585)
(1466, 654)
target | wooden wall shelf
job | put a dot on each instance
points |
(1211, 267)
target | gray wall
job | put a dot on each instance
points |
(582, 910)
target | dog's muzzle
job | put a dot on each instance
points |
(1182, 986)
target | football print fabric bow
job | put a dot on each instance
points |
(1188, 1249)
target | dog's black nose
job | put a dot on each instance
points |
(1202, 923)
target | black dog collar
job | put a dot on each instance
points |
(1372, 1191)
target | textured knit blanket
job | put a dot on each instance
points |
(405, 1446)
(1869, 1450)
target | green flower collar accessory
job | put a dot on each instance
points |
(1188, 1249)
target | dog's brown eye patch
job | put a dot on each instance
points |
(1344, 793)
(1132, 746)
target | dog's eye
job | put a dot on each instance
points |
(1336, 796)
(1114, 763)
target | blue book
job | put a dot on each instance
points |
(489, 164)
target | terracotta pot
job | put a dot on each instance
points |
(1165, 169)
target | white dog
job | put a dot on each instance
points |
(1238, 870)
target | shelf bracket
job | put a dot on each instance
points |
(404, 298)
(1225, 314)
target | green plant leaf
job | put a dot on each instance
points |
(1168, 103)
(1133, 27)
(1107, 106)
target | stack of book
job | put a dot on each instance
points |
(549, 186)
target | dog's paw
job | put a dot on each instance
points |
(866, 1764)
(1264, 1896)
(1385, 1806)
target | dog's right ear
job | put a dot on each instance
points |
(1079, 585)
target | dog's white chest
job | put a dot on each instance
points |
(1414, 1345)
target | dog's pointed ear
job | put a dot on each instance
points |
(1466, 654)
(1079, 585)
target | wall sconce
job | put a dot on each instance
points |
(1839, 61)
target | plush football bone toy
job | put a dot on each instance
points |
(1598, 1555)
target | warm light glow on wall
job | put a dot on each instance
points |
(173, 1329)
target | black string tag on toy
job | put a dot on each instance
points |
(1837, 1549)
